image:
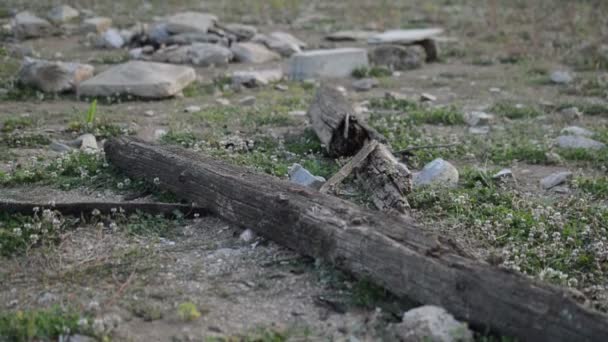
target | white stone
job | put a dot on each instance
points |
(573, 141)
(143, 79)
(555, 179)
(437, 172)
(96, 25)
(578, 131)
(27, 25)
(299, 175)
(111, 39)
(200, 54)
(192, 109)
(332, 63)
(351, 35)
(404, 36)
(52, 76)
(62, 13)
(430, 323)
(253, 53)
(223, 101)
(256, 78)
(247, 235)
(190, 22)
(561, 77)
(504, 173)
(426, 97)
(88, 142)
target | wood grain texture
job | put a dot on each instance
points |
(389, 250)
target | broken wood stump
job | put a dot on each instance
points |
(390, 250)
(336, 124)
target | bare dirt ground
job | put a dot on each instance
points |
(158, 279)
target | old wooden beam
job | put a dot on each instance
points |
(387, 249)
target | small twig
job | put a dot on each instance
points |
(348, 168)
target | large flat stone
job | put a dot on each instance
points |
(404, 36)
(142, 79)
(53, 76)
(253, 53)
(201, 54)
(350, 36)
(333, 63)
(27, 25)
(579, 142)
(190, 22)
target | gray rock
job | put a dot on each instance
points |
(480, 130)
(243, 32)
(365, 84)
(137, 53)
(47, 298)
(59, 147)
(404, 36)
(247, 101)
(110, 39)
(188, 38)
(432, 324)
(299, 175)
(504, 173)
(53, 77)
(437, 172)
(560, 77)
(397, 57)
(190, 22)
(478, 118)
(555, 179)
(143, 79)
(253, 53)
(283, 43)
(256, 78)
(200, 54)
(96, 25)
(351, 36)
(223, 101)
(62, 13)
(573, 141)
(27, 25)
(192, 109)
(88, 142)
(158, 34)
(333, 63)
(247, 235)
(571, 113)
(426, 97)
(578, 131)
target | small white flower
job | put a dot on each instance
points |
(95, 212)
(156, 180)
(197, 215)
(17, 231)
(120, 185)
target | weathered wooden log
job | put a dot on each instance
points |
(389, 250)
(336, 124)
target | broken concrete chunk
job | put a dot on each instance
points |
(96, 25)
(396, 57)
(430, 323)
(299, 175)
(256, 78)
(555, 179)
(253, 53)
(333, 63)
(573, 141)
(437, 172)
(201, 54)
(27, 25)
(404, 36)
(190, 22)
(138, 78)
(351, 36)
(53, 77)
(62, 13)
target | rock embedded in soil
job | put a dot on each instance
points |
(256, 78)
(438, 172)
(190, 22)
(561, 77)
(365, 84)
(332, 63)
(578, 142)
(253, 53)
(299, 175)
(555, 179)
(27, 25)
(199, 54)
(138, 78)
(351, 35)
(478, 118)
(62, 14)
(430, 323)
(396, 57)
(577, 131)
(53, 76)
(96, 25)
